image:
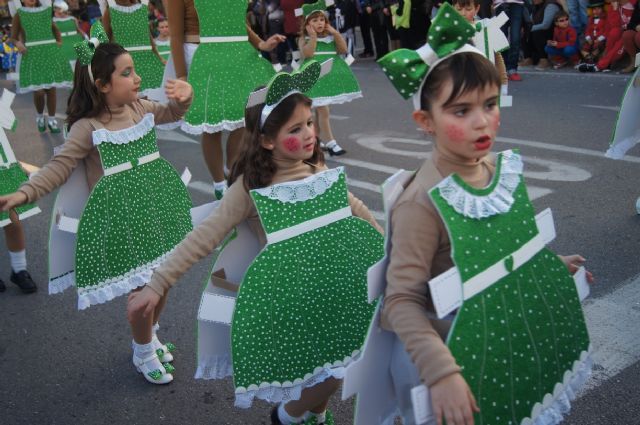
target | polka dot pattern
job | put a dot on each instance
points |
(303, 302)
(11, 177)
(223, 74)
(515, 340)
(68, 41)
(132, 218)
(131, 29)
(284, 83)
(44, 65)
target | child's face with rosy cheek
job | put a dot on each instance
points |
(318, 22)
(469, 12)
(296, 140)
(30, 3)
(466, 127)
(125, 83)
(163, 28)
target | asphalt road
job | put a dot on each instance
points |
(63, 366)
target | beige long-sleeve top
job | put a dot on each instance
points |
(420, 251)
(79, 144)
(236, 207)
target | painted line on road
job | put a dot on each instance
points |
(613, 327)
(606, 108)
(339, 117)
(555, 73)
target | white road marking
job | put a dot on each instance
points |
(606, 108)
(338, 117)
(613, 326)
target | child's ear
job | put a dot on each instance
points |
(424, 120)
(103, 88)
(266, 143)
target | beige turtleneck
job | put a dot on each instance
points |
(420, 251)
(235, 207)
(79, 144)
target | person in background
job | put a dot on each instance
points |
(631, 38)
(364, 21)
(563, 48)
(378, 10)
(515, 11)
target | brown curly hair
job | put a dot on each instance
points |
(255, 163)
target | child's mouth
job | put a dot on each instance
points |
(483, 143)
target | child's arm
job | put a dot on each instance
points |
(180, 95)
(359, 209)
(547, 19)
(264, 45)
(16, 34)
(235, 207)
(341, 45)
(53, 174)
(176, 28)
(308, 47)
(56, 33)
(573, 36)
(106, 23)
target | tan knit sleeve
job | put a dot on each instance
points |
(502, 69)
(235, 207)
(56, 172)
(166, 112)
(416, 233)
(176, 27)
(359, 209)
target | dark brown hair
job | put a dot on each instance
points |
(560, 14)
(255, 163)
(305, 21)
(86, 101)
(467, 71)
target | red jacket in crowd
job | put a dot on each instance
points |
(565, 37)
(291, 22)
(597, 31)
(621, 17)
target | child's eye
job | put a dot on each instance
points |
(460, 112)
(491, 104)
(310, 123)
(126, 73)
(295, 130)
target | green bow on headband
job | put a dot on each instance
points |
(406, 68)
(308, 9)
(85, 49)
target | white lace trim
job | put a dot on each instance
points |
(127, 135)
(336, 100)
(29, 89)
(61, 283)
(170, 126)
(37, 9)
(556, 405)
(302, 190)
(214, 367)
(212, 128)
(114, 287)
(499, 201)
(124, 9)
(277, 392)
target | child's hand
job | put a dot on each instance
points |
(553, 43)
(178, 90)
(312, 33)
(271, 43)
(331, 30)
(12, 200)
(452, 398)
(142, 302)
(21, 47)
(573, 263)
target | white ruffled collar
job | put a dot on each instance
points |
(43, 6)
(304, 189)
(126, 135)
(496, 198)
(125, 9)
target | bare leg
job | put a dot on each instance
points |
(234, 146)
(315, 398)
(324, 125)
(140, 325)
(213, 156)
(38, 101)
(159, 308)
(51, 101)
(14, 235)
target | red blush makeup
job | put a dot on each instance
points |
(292, 144)
(455, 133)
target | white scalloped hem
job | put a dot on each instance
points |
(214, 367)
(127, 135)
(59, 284)
(29, 89)
(302, 190)
(196, 130)
(620, 149)
(558, 404)
(125, 9)
(276, 392)
(336, 100)
(23, 216)
(499, 201)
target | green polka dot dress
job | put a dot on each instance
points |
(340, 85)
(164, 48)
(44, 65)
(11, 177)
(302, 312)
(225, 68)
(70, 36)
(130, 26)
(522, 339)
(136, 214)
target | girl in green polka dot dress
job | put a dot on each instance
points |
(69, 30)
(516, 349)
(320, 41)
(301, 312)
(127, 23)
(138, 209)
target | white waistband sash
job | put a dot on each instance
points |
(137, 48)
(67, 34)
(128, 165)
(325, 53)
(40, 42)
(307, 226)
(227, 39)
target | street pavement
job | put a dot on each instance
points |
(63, 366)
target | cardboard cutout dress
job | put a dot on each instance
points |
(130, 26)
(135, 215)
(44, 65)
(11, 173)
(70, 36)
(626, 133)
(519, 333)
